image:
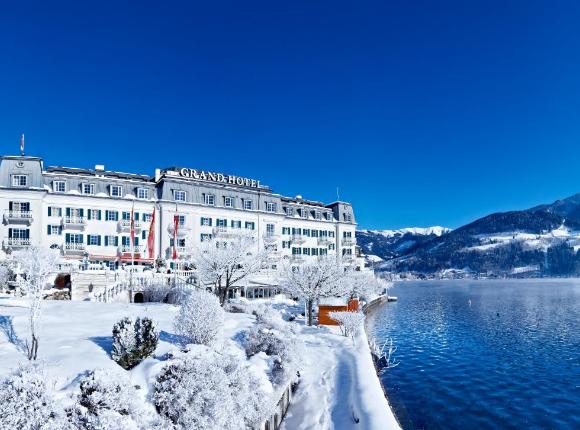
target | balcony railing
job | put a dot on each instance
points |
(181, 251)
(298, 238)
(182, 230)
(18, 216)
(125, 224)
(225, 231)
(74, 247)
(75, 221)
(324, 240)
(347, 241)
(127, 249)
(297, 258)
(270, 237)
(16, 242)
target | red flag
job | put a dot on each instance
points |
(132, 230)
(151, 237)
(175, 227)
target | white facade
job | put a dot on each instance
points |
(85, 213)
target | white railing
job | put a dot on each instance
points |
(323, 240)
(270, 237)
(74, 247)
(347, 241)
(75, 220)
(298, 238)
(126, 224)
(17, 241)
(128, 249)
(18, 215)
(297, 258)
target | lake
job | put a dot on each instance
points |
(495, 354)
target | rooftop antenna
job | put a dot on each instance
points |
(22, 145)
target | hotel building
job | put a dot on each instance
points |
(86, 214)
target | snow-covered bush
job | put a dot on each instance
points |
(269, 316)
(105, 402)
(4, 276)
(27, 403)
(201, 318)
(348, 321)
(133, 341)
(210, 390)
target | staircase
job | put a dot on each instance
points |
(81, 282)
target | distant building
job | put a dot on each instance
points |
(86, 214)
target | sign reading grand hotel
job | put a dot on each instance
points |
(219, 177)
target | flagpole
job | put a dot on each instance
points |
(175, 223)
(132, 239)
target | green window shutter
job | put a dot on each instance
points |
(89, 214)
(99, 240)
(48, 230)
(49, 211)
(99, 214)
(106, 240)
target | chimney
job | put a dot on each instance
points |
(100, 167)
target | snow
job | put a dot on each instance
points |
(338, 380)
(418, 231)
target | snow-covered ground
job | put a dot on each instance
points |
(338, 384)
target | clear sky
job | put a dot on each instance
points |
(421, 112)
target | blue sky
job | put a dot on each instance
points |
(422, 113)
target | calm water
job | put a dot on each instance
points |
(511, 360)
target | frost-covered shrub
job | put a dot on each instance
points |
(105, 402)
(201, 318)
(349, 322)
(210, 391)
(269, 316)
(133, 341)
(27, 403)
(284, 348)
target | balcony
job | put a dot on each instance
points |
(18, 217)
(324, 241)
(182, 230)
(348, 258)
(182, 251)
(224, 231)
(297, 259)
(74, 248)
(298, 238)
(128, 249)
(347, 241)
(13, 242)
(270, 238)
(74, 221)
(125, 225)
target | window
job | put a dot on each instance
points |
(331, 234)
(88, 189)
(179, 195)
(54, 211)
(115, 191)
(347, 217)
(209, 199)
(304, 213)
(289, 211)
(111, 241)
(206, 221)
(111, 216)
(314, 233)
(205, 237)
(270, 207)
(181, 220)
(54, 230)
(285, 230)
(142, 193)
(286, 244)
(314, 251)
(250, 225)
(221, 222)
(347, 234)
(228, 202)
(306, 251)
(306, 232)
(270, 229)
(93, 240)
(236, 224)
(59, 186)
(18, 233)
(331, 246)
(19, 180)
(94, 214)
(317, 215)
(147, 217)
(73, 238)
(126, 216)
(248, 204)
(296, 251)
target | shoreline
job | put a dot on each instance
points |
(367, 309)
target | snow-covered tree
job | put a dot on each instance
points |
(105, 402)
(349, 322)
(37, 265)
(313, 281)
(4, 276)
(133, 341)
(200, 319)
(206, 389)
(223, 263)
(27, 402)
(364, 284)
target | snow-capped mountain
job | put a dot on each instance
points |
(379, 245)
(543, 240)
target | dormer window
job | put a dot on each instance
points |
(143, 193)
(228, 202)
(317, 215)
(179, 195)
(88, 189)
(270, 207)
(19, 180)
(248, 204)
(209, 199)
(116, 191)
(304, 213)
(59, 186)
